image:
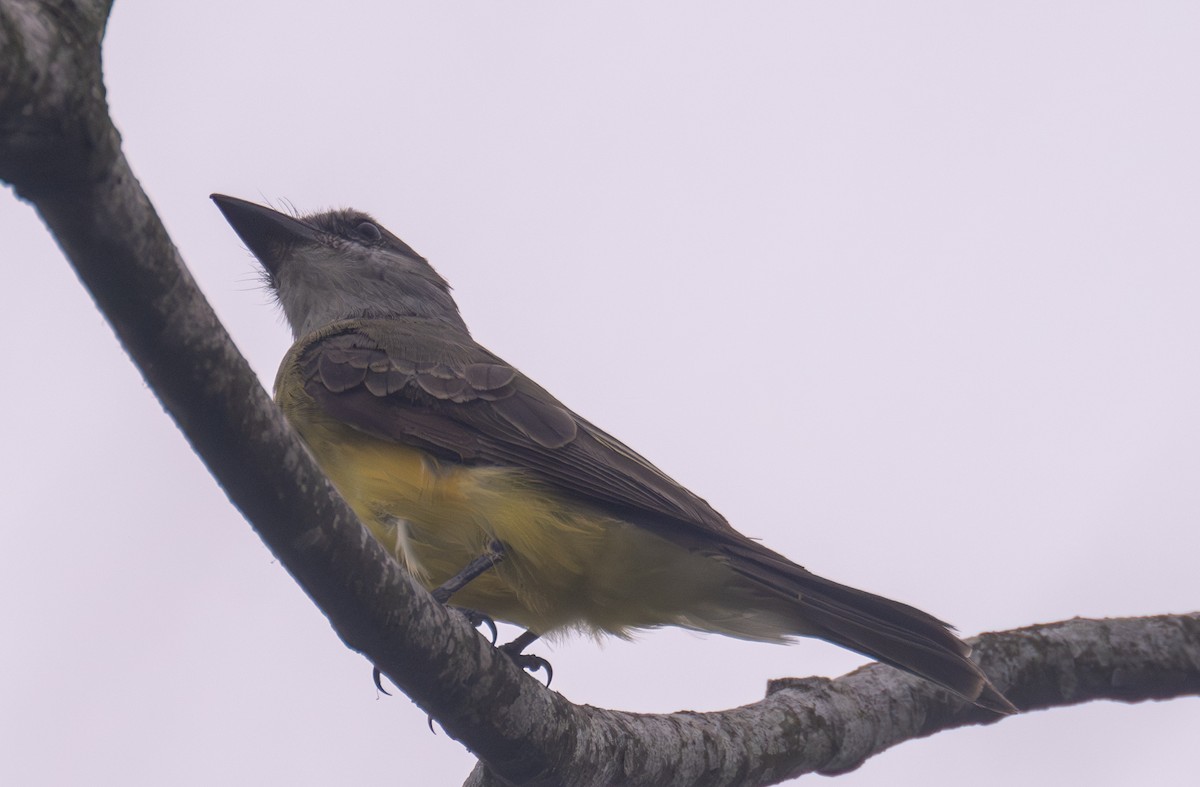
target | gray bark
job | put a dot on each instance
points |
(60, 150)
(818, 725)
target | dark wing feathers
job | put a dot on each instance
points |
(451, 396)
(488, 377)
(340, 370)
(548, 426)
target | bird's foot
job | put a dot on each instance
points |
(477, 619)
(527, 661)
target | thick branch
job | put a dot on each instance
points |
(60, 150)
(818, 725)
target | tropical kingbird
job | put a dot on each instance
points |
(443, 450)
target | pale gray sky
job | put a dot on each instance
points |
(910, 291)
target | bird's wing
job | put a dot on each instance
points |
(413, 383)
(418, 384)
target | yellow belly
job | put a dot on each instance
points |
(567, 564)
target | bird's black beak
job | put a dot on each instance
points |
(268, 233)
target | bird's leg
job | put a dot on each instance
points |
(514, 650)
(477, 567)
(481, 565)
(442, 593)
(518, 645)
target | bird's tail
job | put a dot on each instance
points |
(886, 630)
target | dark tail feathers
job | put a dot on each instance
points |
(894, 633)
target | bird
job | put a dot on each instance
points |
(452, 457)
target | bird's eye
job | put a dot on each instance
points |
(368, 231)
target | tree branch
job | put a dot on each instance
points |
(60, 151)
(818, 725)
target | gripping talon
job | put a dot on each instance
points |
(494, 554)
(377, 676)
(527, 661)
(532, 663)
(477, 619)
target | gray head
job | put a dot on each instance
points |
(339, 265)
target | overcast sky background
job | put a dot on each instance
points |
(910, 291)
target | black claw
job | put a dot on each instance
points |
(377, 676)
(477, 619)
(527, 661)
(495, 554)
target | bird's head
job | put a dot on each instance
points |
(338, 265)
